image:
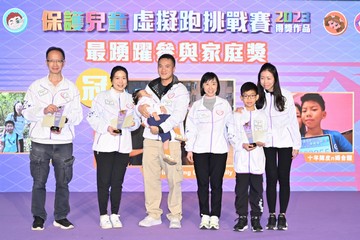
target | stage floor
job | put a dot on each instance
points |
(311, 215)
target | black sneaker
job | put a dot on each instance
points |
(282, 224)
(271, 222)
(63, 224)
(38, 224)
(242, 224)
(255, 224)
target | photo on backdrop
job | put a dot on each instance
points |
(14, 129)
(325, 124)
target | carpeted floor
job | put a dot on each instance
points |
(311, 215)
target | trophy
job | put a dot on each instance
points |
(249, 134)
(57, 120)
(120, 121)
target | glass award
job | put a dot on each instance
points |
(249, 134)
(120, 121)
(57, 119)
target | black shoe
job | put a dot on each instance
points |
(255, 224)
(63, 224)
(242, 224)
(271, 222)
(282, 224)
(38, 224)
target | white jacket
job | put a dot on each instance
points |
(105, 108)
(40, 94)
(283, 126)
(248, 161)
(206, 130)
(176, 100)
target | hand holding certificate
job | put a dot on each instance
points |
(55, 121)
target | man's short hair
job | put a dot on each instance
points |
(55, 49)
(167, 56)
(313, 97)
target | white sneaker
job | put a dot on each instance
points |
(105, 222)
(115, 221)
(149, 222)
(180, 138)
(214, 222)
(169, 159)
(175, 223)
(205, 222)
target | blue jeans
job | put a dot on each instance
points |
(62, 160)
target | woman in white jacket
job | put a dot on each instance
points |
(207, 147)
(112, 144)
(282, 146)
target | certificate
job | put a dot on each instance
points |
(122, 121)
(55, 120)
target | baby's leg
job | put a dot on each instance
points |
(177, 130)
(166, 147)
(156, 116)
(178, 135)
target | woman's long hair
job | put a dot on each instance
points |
(15, 112)
(279, 98)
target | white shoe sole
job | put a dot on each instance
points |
(106, 227)
(241, 230)
(175, 226)
(204, 226)
(117, 226)
(62, 227)
(154, 223)
(37, 229)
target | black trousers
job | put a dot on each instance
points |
(277, 168)
(210, 169)
(110, 173)
(249, 189)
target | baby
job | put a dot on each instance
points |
(158, 115)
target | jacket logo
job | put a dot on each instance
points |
(42, 92)
(171, 95)
(219, 112)
(109, 102)
(129, 106)
(65, 95)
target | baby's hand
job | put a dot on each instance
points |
(163, 109)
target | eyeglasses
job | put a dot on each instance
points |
(55, 61)
(249, 96)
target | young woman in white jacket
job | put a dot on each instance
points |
(207, 147)
(112, 145)
(282, 146)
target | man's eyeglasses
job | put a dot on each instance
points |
(249, 96)
(55, 61)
